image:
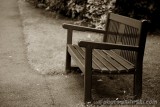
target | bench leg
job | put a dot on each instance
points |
(87, 87)
(68, 62)
(88, 76)
(138, 85)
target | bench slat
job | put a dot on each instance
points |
(123, 59)
(78, 58)
(120, 60)
(98, 63)
(94, 66)
(113, 62)
(102, 61)
(110, 67)
(126, 20)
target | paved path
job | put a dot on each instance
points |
(20, 85)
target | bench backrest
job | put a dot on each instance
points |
(126, 31)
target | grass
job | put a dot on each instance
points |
(151, 75)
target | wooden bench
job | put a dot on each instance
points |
(120, 52)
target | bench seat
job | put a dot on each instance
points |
(103, 61)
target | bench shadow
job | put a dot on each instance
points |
(108, 86)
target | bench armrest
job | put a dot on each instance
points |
(82, 28)
(107, 46)
(71, 27)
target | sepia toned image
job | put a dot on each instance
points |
(79, 53)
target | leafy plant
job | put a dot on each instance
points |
(96, 11)
(76, 8)
(58, 5)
